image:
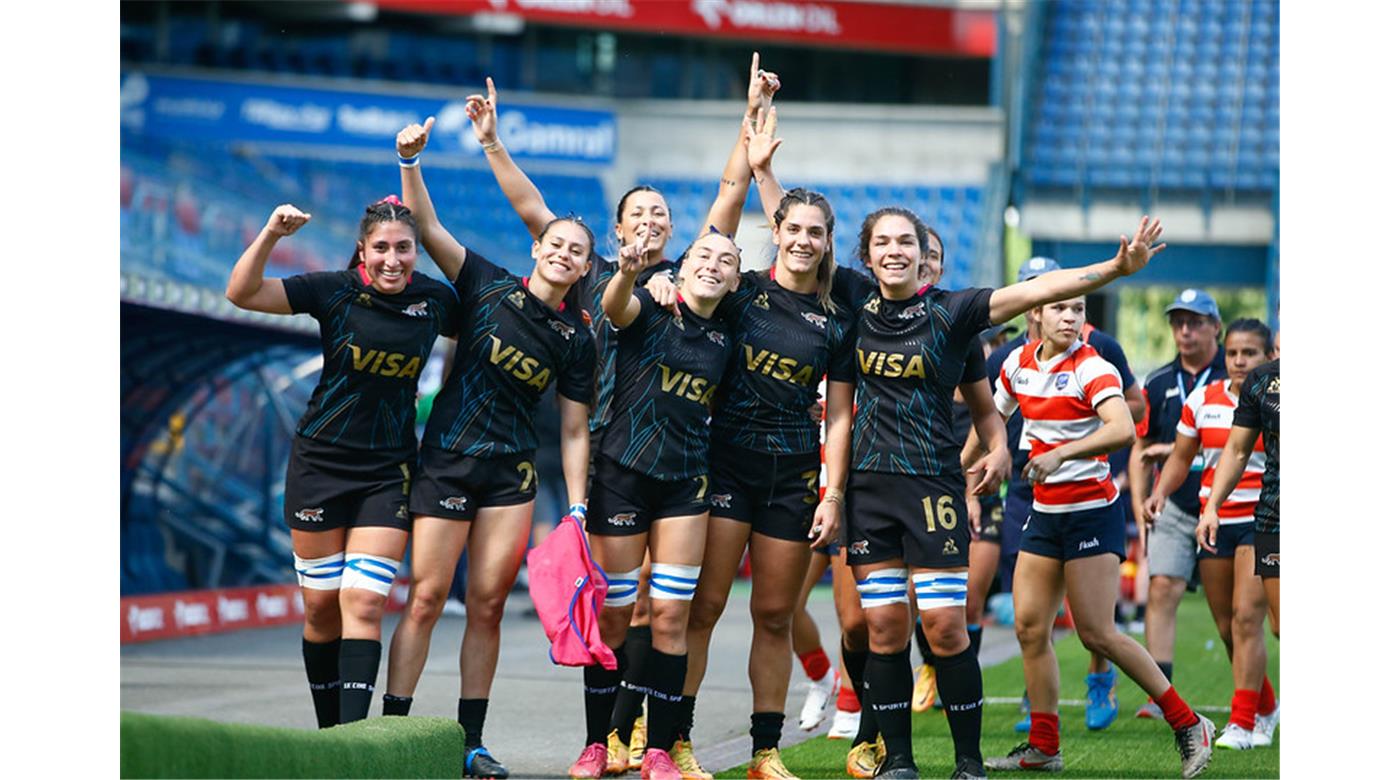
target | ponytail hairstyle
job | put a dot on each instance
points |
(867, 228)
(573, 297)
(826, 267)
(389, 209)
(1251, 325)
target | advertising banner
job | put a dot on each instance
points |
(195, 612)
(209, 109)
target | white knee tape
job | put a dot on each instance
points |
(934, 589)
(369, 572)
(319, 573)
(884, 586)
(673, 581)
(622, 587)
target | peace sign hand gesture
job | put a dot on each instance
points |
(482, 112)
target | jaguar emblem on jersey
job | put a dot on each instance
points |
(721, 500)
(311, 515)
(517, 298)
(815, 319)
(562, 329)
(917, 310)
(1061, 381)
(623, 519)
(455, 503)
(1271, 559)
(716, 337)
(761, 301)
(419, 309)
(860, 548)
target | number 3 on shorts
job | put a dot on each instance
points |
(528, 469)
(947, 516)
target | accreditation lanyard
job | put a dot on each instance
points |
(1198, 463)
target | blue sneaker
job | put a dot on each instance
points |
(479, 763)
(1024, 726)
(1103, 702)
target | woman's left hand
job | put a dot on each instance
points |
(826, 524)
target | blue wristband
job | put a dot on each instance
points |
(408, 162)
(578, 510)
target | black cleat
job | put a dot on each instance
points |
(897, 768)
(479, 763)
(969, 767)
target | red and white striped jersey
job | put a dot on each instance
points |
(1057, 400)
(1207, 415)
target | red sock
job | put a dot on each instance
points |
(815, 663)
(1267, 701)
(1045, 732)
(1175, 710)
(846, 700)
(1243, 707)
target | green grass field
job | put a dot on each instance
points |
(1129, 748)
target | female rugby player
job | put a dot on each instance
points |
(1072, 402)
(476, 485)
(905, 496)
(348, 477)
(1226, 558)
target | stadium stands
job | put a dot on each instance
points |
(1189, 103)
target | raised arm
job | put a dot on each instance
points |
(619, 304)
(734, 182)
(762, 145)
(247, 289)
(445, 251)
(1132, 257)
(522, 193)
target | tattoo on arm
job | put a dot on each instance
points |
(729, 182)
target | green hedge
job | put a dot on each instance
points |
(157, 746)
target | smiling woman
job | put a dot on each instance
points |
(475, 486)
(348, 476)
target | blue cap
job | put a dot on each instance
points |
(1196, 302)
(1035, 267)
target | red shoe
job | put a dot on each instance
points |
(591, 763)
(657, 765)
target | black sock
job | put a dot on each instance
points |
(471, 713)
(974, 634)
(600, 696)
(665, 678)
(630, 693)
(925, 652)
(1166, 667)
(960, 687)
(359, 666)
(397, 705)
(766, 729)
(687, 718)
(322, 660)
(629, 699)
(889, 686)
(855, 661)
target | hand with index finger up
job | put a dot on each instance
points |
(482, 112)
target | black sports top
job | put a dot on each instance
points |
(374, 347)
(511, 347)
(668, 369)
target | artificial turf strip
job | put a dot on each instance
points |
(1130, 748)
(158, 746)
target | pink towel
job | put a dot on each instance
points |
(568, 588)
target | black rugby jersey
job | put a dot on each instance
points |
(374, 347)
(1167, 389)
(784, 343)
(594, 284)
(910, 355)
(511, 347)
(668, 370)
(1259, 409)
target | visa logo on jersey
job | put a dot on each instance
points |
(377, 361)
(890, 364)
(518, 364)
(779, 367)
(686, 385)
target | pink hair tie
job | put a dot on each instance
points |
(391, 199)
